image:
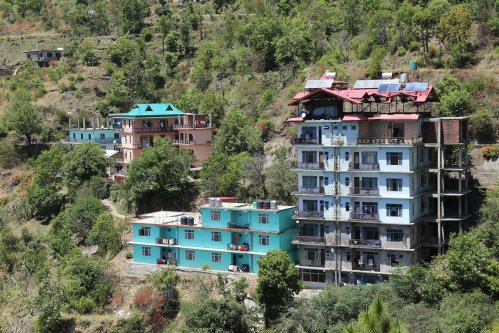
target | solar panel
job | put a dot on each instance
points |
(393, 87)
(421, 86)
(372, 84)
(316, 84)
(383, 87)
(411, 86)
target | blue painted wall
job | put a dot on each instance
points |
(75, 135)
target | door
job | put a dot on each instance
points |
(356, 185)
(356, 160)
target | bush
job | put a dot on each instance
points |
(46, 201)
(414, 46)
(134, 324)
(490, 151)
(462, 54)
(401, 51)
(129, 255)
(483, 126)
(218, 316)
(105, 235)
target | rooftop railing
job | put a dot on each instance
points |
(183, 142)
(310, 190)
(234, 225)
(305, 141)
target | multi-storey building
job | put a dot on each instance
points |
(94, 131)
(145, 122)
(374, 192)
(224, 236)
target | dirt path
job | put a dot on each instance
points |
(114, 211)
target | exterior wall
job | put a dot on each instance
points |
(92, 135)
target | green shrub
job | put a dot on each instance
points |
(401, 51)
(483, 126)
(129, 255)
(414, 46)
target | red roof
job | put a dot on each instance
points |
(295, 119)
(340, 93)
(300, 94)
(354, 117)
(396, 116)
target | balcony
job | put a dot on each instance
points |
(365, 216)
(152, 129)
(305, 141)
(192, 126)
(373, 267)
(366, 243)
(366, 167)
(236, 247)
(309, 240)
(389, 140)
(183, 142)
(312, 263)
(234, 225)
(358, 191)
(166, 241)
(309, 190)
(308, 166)
(308, 213)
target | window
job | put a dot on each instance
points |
(347, 156)
(369, 157)
(393, 184)
(423, 179)
(146, 251)
(311, 275)
(189, 234)
(369, 183)
(215, 215)
(422, 205)
(216, 236)
(81, 136)
(347, 181)
(74, 135)
(102, 136)
(335, 127)
(145, 231)
(393, 210)
(263, 240)
(263, 218)
(348, 256)
(394, 260)
(347, 206)
(309, 181)
(311, 254)
(344, 127)
(190, 255)
(353, 127)
(394, 158)
(49, 54)
(216, 257)
(394, 235)
(90, 136)
(347, 230)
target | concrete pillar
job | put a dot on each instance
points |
(107, 122)
(460, 208)
(84, 123)
(93, 123)
(98, 122)
(79, 123)
(69, 122)
(460, 156)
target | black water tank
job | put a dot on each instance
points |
(259, 204)
(183, 220)
(190, 220)
(266, 204)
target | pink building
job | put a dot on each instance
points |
(145, 122)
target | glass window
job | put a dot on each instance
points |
(81, 136)
(348, 256)
(347, 181)
(216, 257)
(263, 218)
(344, 127)
(189, 234)
(347, 206)
(190, 255)
(146, 251)
(394, 158)
(393, 184)
(394, 260)
(74, 135)
(347, 156)
(394, 235)
(102, 136)
(215, 215)
(393, 210)
(216, 236)
(145, 231)
(263, 240)
(369, 157)
(353, 127)
(310, 275)
(90, 136)
(370, 183)
(309, 181)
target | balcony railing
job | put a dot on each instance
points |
(312, 263)
(193, 126)
(183, 142)
(389, 140)
(310, 190)
(364, 191)
(305, 141)
(308, 166)
(234, 225)
(309, 239)
(308, 213)
(364, 216)
(236, 247)
(359, 166)
(366, 242)
(167, 241)
(152, 129)
(365, 267)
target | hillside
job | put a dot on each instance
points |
(64, 253)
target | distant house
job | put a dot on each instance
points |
(93, 131)
(44, 58)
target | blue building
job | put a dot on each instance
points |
(92, 131)
(224, 236)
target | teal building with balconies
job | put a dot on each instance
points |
(222, 237)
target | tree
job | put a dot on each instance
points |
(218, 316)
(456, 103)
(86, 52)
(81, 216)
(455, 25)
(22, 117)
(213, 106)
(376, 320)
(165, 25)
(50, 302)
(166, 281)
(49, 165)
(132, 14)
(278, 280)
(158, 178)
(84, 162)
(46, 201)
(279, 179)
(418, 284)
(105, 235)
(484, 125)
(25, 6)
(237, 134)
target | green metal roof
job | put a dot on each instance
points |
(153, 110)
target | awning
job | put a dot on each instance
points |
(397, 116)
(353, 117)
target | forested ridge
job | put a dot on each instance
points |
(239, 62)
